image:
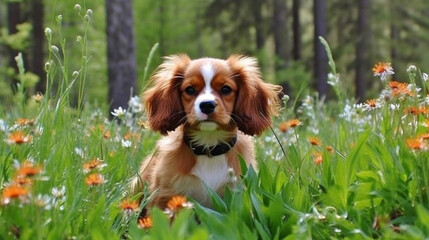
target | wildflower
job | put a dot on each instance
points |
(18, 137)
(77, 7)
(95, 163)
(330, 149)
(371, 104)
(119, 112)
(126, 143)
(131, 136)
(412, 110)
(48, 31)
(315, 141)
(178, 202)
(318, 158)
(94, 179)
(145, 222)
(59, 192)
(416, 144)
(411, 69)
(13, 191)
(289, 124)
(24, 122)
(143, 124)
(135, 104)
(28, 169)
(21, 180)
(399, 89)
(129, 206)
(55, 49)
(175, 204)
(43, 201)
(38, 97)
(382, 69)
(425, 77)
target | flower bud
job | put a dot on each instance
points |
(55, 49)
(77, 7)
(48, 31)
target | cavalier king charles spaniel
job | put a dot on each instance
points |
(208, 110)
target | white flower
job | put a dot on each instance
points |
(425, 77)
(119, 112)
(126, 143)
(135, 104)
(59, 192)
(3, 125)
(79, 152)
(412, 69)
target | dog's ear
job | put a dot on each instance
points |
(162, 100)
(257, 100)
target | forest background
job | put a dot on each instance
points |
(282, 34)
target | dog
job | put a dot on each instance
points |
(208, 110)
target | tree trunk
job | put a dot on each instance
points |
(259, 24)
(13, 19)
(280, 34)
(296, 30)
(320, 59)
(120, 52)
(37, 61)
(362, 49)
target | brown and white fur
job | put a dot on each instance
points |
(203, 102)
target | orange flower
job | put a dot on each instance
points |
(24, 121)
(145, 222)
(399, 88)
(412, 110)
(178, 202)
(28, 169)
(95, 163)
(318, 158)
(131, 136)
(284, 126)
(129, 206)
(315, 141)
(13, 191)
(19, 137)
(416, 144)
(382, 69)
(94, 179)
(330, 149)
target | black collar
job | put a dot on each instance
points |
(210, 151)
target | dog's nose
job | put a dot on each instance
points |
(207, 107)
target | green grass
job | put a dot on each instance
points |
(372, 181)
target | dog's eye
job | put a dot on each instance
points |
(190, 90)
(225, 90)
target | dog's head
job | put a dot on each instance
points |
(210, 93)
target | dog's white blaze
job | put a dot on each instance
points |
(208, 72)
(212, 171)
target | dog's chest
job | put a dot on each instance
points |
(212, 171)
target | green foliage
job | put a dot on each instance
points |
(64, 171)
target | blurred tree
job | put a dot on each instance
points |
(280, 31)
(237, 26)
(14, 17)
(362, 64)
(37, 44)
(320, 58)
(296, 29)
(120, 52)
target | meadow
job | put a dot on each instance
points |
(333, 169)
